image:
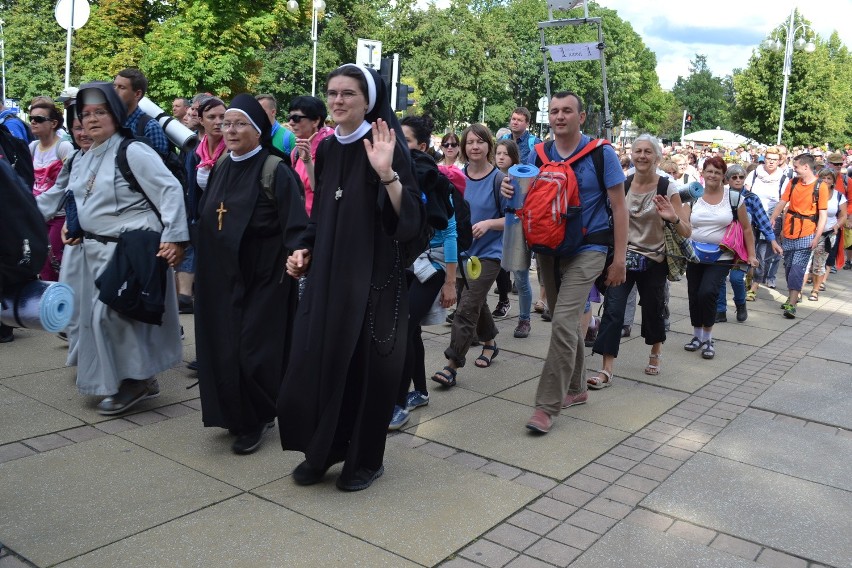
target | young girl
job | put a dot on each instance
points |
(507, 155)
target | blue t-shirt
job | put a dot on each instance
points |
(479, 194)
(592, 196)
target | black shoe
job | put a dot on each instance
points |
(7, 334)
(193, 366)
(502, 309)
(546, 315)
(721, 317)
(362, 479)
(185, 304)
(305, 474)
(129, 393)
(450, 316)
(742, 312)
(626, 331)
(248, 443)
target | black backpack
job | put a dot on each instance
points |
(17, 153)
(23, 233)
(173, 162)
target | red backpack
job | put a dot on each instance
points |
(551, 217)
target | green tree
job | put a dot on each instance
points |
(35, 51)
(703, 95)
(817, 109)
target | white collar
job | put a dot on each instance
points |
(247, 155)
(359, 133)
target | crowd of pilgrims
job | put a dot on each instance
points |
(305, 311)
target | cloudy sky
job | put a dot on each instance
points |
(723, 30)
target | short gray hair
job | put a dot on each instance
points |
(734, 169)
(653, 141)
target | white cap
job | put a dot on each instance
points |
(67, 94)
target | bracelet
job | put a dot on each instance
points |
(391, 180)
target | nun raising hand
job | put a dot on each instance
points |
(350, 330)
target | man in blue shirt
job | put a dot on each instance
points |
(131, 85)
(562, 383)
(519, 126)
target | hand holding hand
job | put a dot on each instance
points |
(172, 253)
(298, 262)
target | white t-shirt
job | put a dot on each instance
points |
(833, 209)
(766, 186)
(710, 221)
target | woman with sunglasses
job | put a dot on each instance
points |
(49, 152)
(307, 121)
(452, 151)
(735, 177)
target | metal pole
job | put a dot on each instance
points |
(3, 56)
(607, 115)
(788, 64)
(683, 127)
(314, 39)
(68, 48)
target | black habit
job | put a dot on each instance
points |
(349, 335)
(243, 308)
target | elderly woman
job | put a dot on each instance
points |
(710, 216)
(652, 201)
(349, 336)
(249, 218)
(116, 356)
(307, 120)
(735, 177)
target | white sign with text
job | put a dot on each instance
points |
(574, 51)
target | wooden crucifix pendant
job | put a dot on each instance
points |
(221, 211)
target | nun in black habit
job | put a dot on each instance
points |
(349, 335)
(245, 303)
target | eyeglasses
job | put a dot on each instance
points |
(450, 145)
(39, 119)
(241, 125)
(347, 95)
(838, 164)
(768, 159)
(99, 114)
(298, 117)
(737, 176)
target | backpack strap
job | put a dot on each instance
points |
(542, 150)
(628, 182)
(498, 179)
(663, 186)
(127, 173)
(141, 124)
(734, 203)
(267, 175)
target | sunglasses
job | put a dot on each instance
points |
(40, 119)
(737, 176)
(450, 144)
(297, 118)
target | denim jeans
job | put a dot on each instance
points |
(522, 282)
(737, 278)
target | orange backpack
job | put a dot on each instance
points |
(551, 217)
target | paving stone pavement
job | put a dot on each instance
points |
(740, 461)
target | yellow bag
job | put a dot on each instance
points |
(847, 238)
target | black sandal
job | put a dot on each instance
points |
(445, 377)
(487, 359)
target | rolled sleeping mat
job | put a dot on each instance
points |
(516, 255)
(179, 134)
(39, 305)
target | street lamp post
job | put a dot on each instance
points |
(482, 118)
(789, 44)
(318, 6)
(3, 57)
